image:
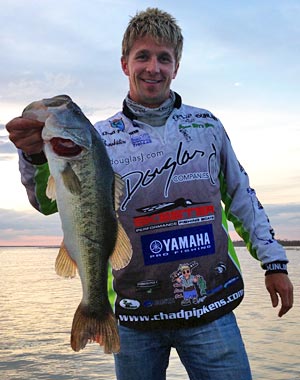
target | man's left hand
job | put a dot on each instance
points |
(280, 284)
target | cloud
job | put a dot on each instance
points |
(17, 226)
(284, 219)
(290, 213)
(240, 60)
(32, 227)
(62, 49)
(51, 83)
(7, 149)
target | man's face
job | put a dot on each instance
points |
(186, 273)
(150, 68)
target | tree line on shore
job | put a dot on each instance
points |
(285, 243)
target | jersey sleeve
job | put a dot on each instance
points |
(244, 210)
(35, 179)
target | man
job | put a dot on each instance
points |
(178, 165)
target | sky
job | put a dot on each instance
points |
(241, 61)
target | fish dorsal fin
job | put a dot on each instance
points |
(70, 180)
(122, 253)
(65, 266)
(119, 184)
(51, 188)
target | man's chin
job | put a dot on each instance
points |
(152, 101)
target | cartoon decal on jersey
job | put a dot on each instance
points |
(190, 288)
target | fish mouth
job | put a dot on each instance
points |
(65, 147)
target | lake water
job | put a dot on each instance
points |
(37, 307)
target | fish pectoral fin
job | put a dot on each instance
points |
(119, 185)
(70, 180)
(65, 266)
(122, 253)
(51, 188)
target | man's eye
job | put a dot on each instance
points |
(141, 57)
(165, 59)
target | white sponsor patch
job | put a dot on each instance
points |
(126, 303)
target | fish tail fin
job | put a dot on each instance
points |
(122, 253)
(87, 328)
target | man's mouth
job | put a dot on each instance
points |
(151, 81)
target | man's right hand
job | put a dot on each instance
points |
(26, 134)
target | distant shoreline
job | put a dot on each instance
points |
(285, 243)
(236, 243)
(29, 246)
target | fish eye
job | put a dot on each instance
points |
(74, 108)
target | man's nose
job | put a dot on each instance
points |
(153, 65)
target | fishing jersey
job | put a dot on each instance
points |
(180, 187)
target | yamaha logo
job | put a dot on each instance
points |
(187, 242)
(181, 242)
(156, 246)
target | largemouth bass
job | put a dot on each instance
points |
(87, 193)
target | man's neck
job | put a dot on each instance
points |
(152, 116)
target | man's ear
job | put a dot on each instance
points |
(176, 70)
(124, 65)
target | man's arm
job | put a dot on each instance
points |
(26, 135)
(251, 222)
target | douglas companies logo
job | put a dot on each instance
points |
(136, 179)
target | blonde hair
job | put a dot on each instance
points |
(159, 25)
(184, 266)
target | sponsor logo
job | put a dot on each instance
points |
(133, 159)
(276, 266)
(195, 312)
(134, 132)
(171, 218)
(190, 118)
(206, 115)
(141, 139)
(195, 125)
(186, 135)
(178, 244)
(190, 177)
(118, 124)
(136, 179)
(147, 286)
(110, 133)
(114, 142)
(164, 301)
(126, 303)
